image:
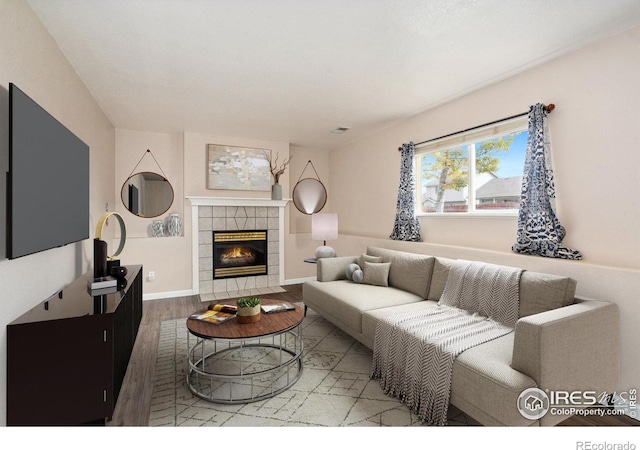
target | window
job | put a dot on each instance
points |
(493, 154)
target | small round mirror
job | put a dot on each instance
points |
(309, 196)
(147, 194)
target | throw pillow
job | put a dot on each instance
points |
(351, 269)
(376, 274)
(368, 258)
(358, 275)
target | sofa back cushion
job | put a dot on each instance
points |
(539, 292)
(410, 272)
(441, 268)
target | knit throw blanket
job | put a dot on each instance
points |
(414, 352)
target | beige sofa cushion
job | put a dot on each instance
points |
(370, 318)
(441, 268)
(363, 258)
(376, 273)
(329, 298)
(410, 272)
(539, 292)
(482, 378)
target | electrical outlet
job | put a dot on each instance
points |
(152, 276)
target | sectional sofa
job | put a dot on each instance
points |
(560, 342)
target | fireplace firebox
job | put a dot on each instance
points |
(239, 253)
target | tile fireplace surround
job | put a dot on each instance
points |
(226, 214)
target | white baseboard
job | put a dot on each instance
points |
(299, 280)
(161, 295)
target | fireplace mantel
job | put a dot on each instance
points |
(201, 204)
(232, 201)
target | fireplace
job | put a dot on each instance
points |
(239, 253)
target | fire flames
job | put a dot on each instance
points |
(238, 255)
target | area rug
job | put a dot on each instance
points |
(335, 389)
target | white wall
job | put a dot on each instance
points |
(595, 160)
(31, 59)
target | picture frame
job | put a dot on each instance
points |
(238, 168)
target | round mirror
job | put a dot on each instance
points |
(309, 196)
(147, 194)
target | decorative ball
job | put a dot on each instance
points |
(350, 269)
(358, 275)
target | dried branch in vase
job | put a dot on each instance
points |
(277, 170)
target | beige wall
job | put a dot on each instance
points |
(31, 59)
(195, 163)
(594, 153)
(595, 160)
(167, 151)
(183, 159)
(298, 244)
(195, 169)
(158, 255)
(595, 156)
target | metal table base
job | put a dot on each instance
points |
(236, 371)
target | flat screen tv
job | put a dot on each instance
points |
(47, 182)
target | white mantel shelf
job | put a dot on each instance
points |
(236, 201)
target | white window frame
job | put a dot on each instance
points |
(467, 138)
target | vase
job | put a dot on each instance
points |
(157, 228)
(99, 258)
(276, 192)
(174, 225)
(248, 314)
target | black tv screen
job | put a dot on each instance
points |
(48, 180)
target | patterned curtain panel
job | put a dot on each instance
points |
(539, 230)
(406, 226)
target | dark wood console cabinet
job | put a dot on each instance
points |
(67, 357)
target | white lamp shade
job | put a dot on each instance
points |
(324, 227)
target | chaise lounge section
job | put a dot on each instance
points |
(560, 342)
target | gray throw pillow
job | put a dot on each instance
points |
(358, 275)
(351, 269)
(376, 274)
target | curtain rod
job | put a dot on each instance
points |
(550, 107)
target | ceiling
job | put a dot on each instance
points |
(293, 70)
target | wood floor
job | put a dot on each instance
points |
(134, 401)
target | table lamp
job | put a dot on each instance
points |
(324, 227)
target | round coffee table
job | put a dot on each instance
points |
(242, 363)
